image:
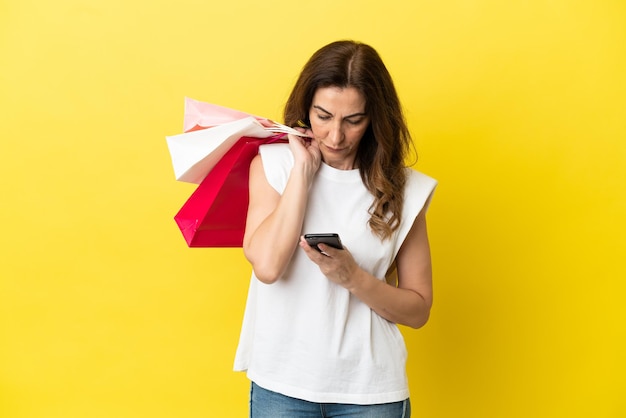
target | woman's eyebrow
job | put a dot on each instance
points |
(356, 114)
(322, 109)
(346, 117)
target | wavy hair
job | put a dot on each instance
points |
(386, 143)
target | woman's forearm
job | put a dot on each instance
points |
(398, 305)
(271, 245)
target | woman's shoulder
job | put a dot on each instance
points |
(277, 162)
(276, 154)
(417, 179)
(418, 191)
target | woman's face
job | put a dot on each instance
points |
(338, 121)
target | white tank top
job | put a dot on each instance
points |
(309, 338)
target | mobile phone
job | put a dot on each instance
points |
(329, 239)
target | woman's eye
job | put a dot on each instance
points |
(323, 117)
(354, 122)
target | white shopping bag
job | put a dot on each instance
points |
(195, 153)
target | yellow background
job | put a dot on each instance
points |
(517, 107)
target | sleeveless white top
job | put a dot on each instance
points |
(309, 338)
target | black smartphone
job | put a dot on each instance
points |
(328, 239)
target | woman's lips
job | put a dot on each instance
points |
(331, 149)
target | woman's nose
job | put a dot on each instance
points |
(335, 134)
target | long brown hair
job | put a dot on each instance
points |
(386, 142)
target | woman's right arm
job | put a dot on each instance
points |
(274, 221)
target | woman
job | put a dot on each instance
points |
(319, 336)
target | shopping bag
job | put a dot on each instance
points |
(195, 153)
(215, 152)
(202, 115)
(215, 214)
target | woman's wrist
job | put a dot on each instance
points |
(303, 172)
(359, 281)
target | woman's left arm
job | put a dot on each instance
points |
(409, 303)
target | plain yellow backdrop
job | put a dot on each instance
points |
(517, 108)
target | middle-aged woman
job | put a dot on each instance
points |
(320, 335)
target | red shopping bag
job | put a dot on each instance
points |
(215, 214)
